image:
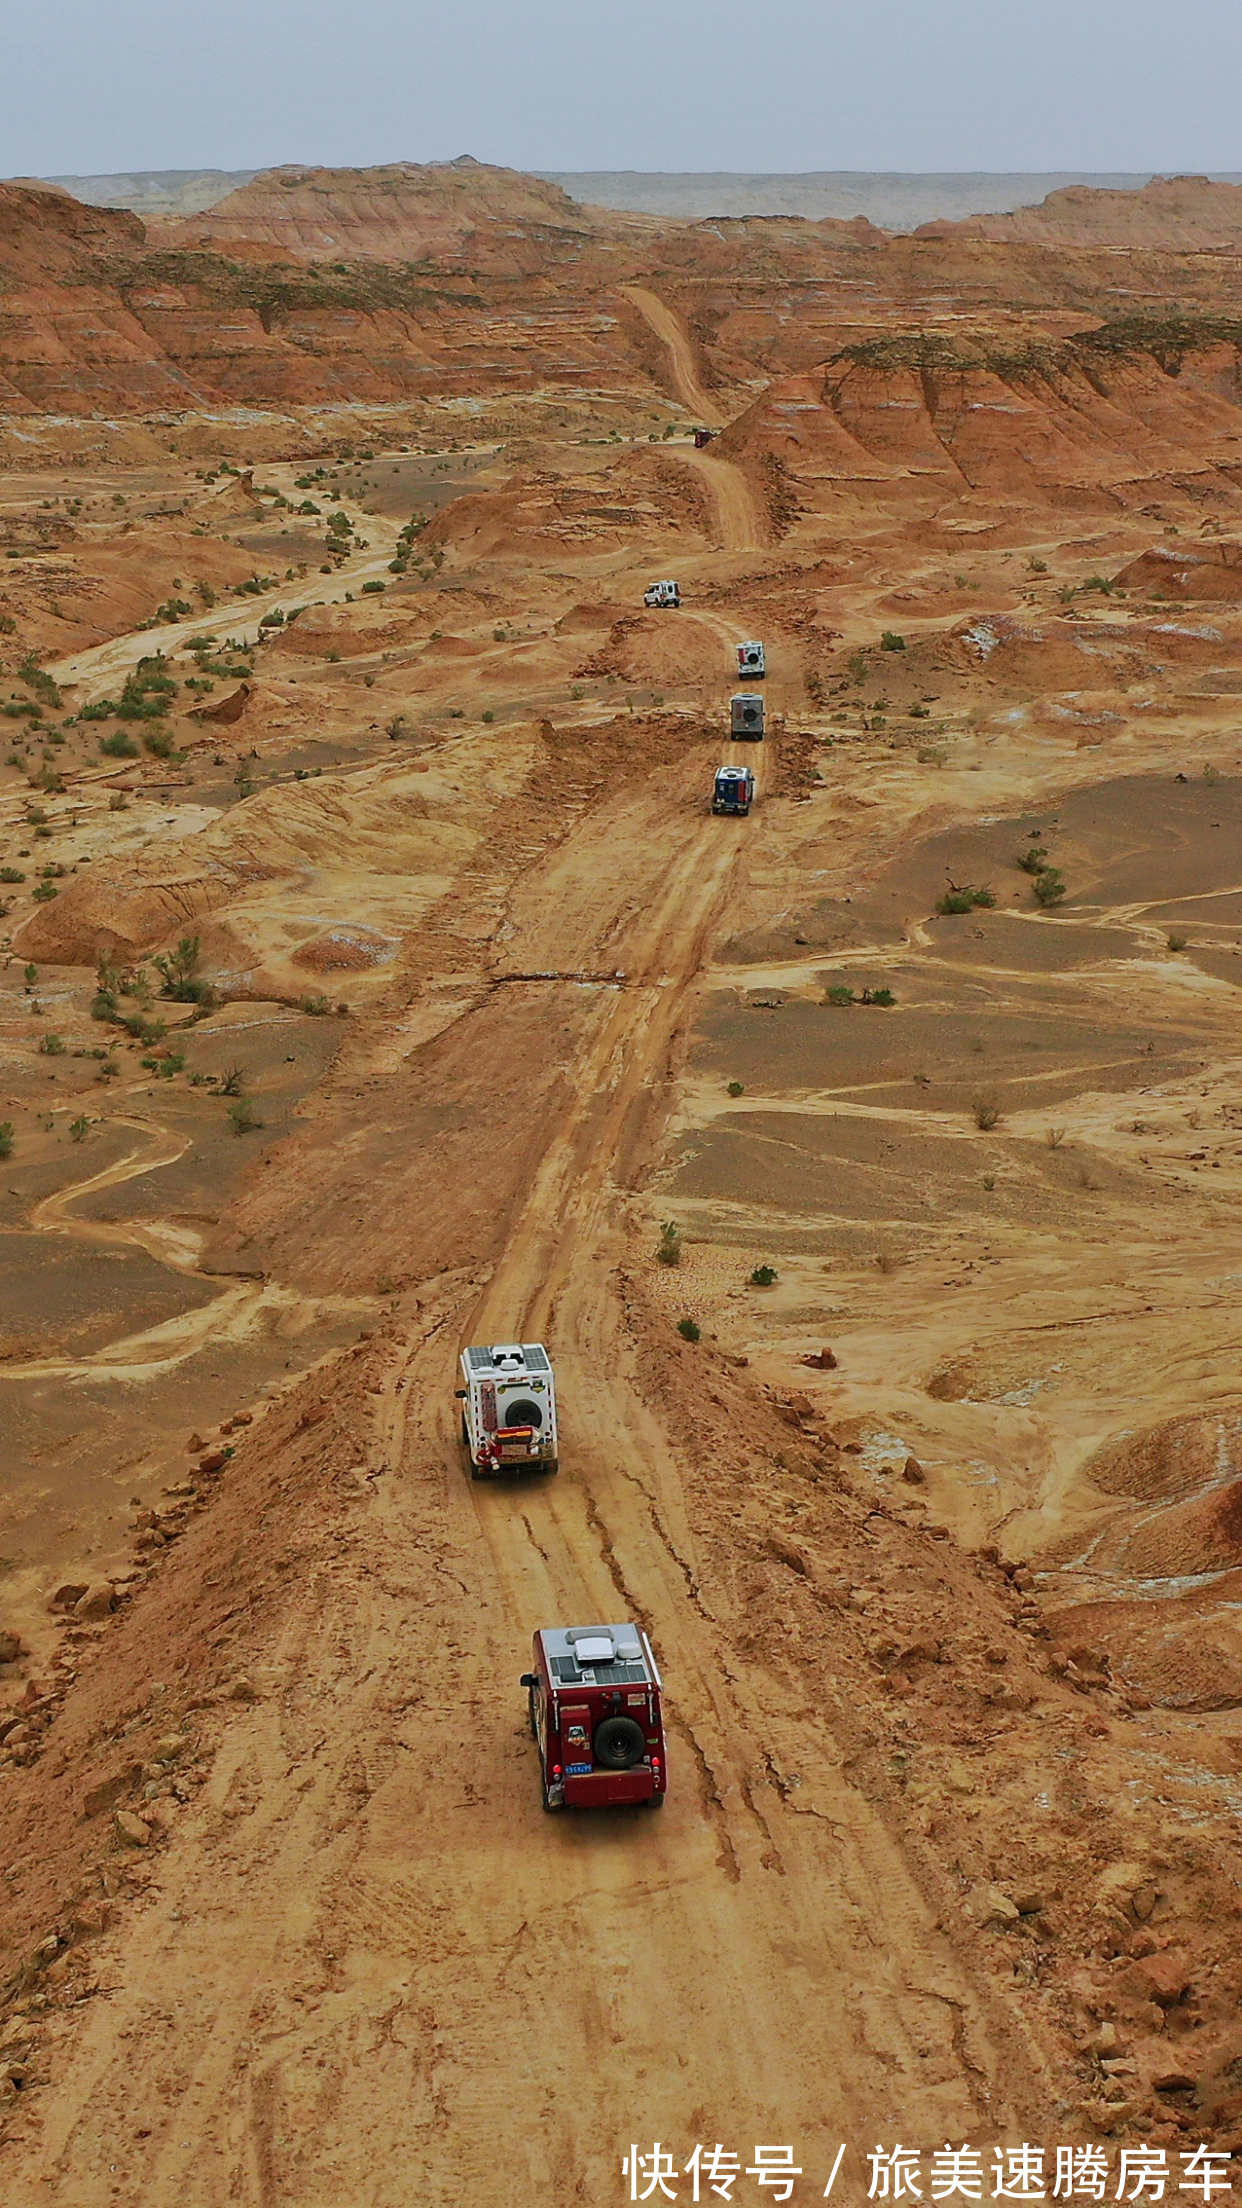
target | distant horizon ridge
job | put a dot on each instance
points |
(893, 199)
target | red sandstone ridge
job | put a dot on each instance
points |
(1212, 571)
(1076, 427)
(1173, 214)
(400, 212)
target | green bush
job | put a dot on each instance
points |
(688, 1331)
(764, 1276)
(1034, 860)
(243, 1117)
(314, 1007)
(79, 1128)
(52, 1046)
(883, 997)
(102, 710)
(1049, 886)
(891, 642)
(178, 971)
(119, 745)
(668, 1251)
(6, 1138)
(369, 589)
(839, 994)
(142, 1029)
(11, 874)
(44, 893)
(736, 1088)
(963, 897)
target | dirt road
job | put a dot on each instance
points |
(370, 1970)
(672, 332)
(103, 664)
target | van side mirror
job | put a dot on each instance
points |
(461, 1394)
(528, 1679)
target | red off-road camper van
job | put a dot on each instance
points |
(595, 1712)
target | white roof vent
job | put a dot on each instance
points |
(596, 1648)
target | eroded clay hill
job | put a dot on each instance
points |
(1172, 213)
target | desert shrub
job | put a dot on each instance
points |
(488, 716)
(34, 677)
(232, 1081)
(1174, 942)
(688, 1331)
(963, 897)
(1033, 860)
(1049, 886)
(370, 589)
(883, 997)
(79, 1128)
(52, 1046)
(6, 1138)
(179, 973)
(142, 1029)
(173, 609)
(986, 1112)
(148, 690)
(314, 1007)
(764, 1276)
(736, 1088)
(119, 745)
(668, 1249)
(1054, 1137)
(1038, 567)
(159, 743)
(243, 1118)
(11, 874)
(839, 994)
(44, 893)
(891, 642)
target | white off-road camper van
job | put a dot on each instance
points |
(508, 1408)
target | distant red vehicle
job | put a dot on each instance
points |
(595, 1713)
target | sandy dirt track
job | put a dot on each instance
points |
(672, 332)
(403, 1969)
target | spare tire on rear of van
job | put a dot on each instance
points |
(619, 1743)
(523, 1413)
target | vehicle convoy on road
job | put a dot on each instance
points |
(508, 1408)
(733, 791)
(662, 594)
(750, 661)
(594, 1698)
(746, 714)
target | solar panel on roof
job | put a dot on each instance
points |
(480, 1360)
(568, 1672)
(536, 1359)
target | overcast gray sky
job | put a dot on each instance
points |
(93, 86)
